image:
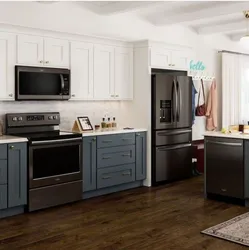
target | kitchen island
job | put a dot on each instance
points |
(227, 166)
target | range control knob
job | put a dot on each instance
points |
(55, 117)
(50, 117)
(20, 118)
(14, 119)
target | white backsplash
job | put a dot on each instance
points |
(69, 110)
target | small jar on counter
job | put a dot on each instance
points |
(114, 124)
(103, 124)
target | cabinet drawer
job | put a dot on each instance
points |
(3, 171)
(3, 196)
(3, 151)
(105, 141)
(107, 157)
(112, 176)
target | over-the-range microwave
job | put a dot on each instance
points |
(40, 83)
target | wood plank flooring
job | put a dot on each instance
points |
(165, 217)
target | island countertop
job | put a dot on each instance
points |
(229, 135)
(11, 139)
(111, 132)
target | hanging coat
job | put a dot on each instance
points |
(211, 111)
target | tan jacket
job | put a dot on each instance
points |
(211, 111)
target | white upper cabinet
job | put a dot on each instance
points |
(30, 50)
(160, 58)
(169, 58)
(123, 73)
(7, 66)
(81, 71)
(103, 72)
(180, 59)
(56, 52)
(40, 51)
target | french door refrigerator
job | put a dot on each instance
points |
(171, 127)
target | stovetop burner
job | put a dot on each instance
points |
(37, 126)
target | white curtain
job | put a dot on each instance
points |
(235, 89)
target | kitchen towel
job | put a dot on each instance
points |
(211, 111)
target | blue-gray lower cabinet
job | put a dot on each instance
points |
(113, 163)
(89, 163)
(115, 156)
(17, 174)
(141, 155)
(3, 196)
(116, 175)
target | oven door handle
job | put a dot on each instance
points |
(55, 141)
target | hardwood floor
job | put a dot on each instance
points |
(144, 218)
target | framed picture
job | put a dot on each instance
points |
(85, 123)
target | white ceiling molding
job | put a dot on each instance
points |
(115, 7)
(222, 28)
(214, 9)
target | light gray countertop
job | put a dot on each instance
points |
(111, 132)
(11, 139)
(229, 135)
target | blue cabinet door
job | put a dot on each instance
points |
(17, 174)
(89, 163)
(141, 155)
(3, 196)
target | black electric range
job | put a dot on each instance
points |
(54, 158)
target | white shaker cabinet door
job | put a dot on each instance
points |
(30, 50)
(7, 65)
(103, 72)
(124, 73)
(56, 53)
(160, 58)
(81, 71)
(180, 59)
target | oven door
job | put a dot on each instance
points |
(55, 161)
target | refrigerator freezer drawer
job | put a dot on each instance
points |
(172, 162)
(169, 137)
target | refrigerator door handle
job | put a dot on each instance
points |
(173, 100)
(175, 103)
(174, 147)
(179, 101)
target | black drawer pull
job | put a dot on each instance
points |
(107, 141)
(106, 177)
(107, 158)
(129, 173)
(126, 139)
(126, 155)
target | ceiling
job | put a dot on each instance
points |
(205, 17)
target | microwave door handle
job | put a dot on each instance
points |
(62, 83)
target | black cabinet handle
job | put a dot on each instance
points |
(126, 139)
(127, 173)
(106, 177)
(106, 158)
(126, 155)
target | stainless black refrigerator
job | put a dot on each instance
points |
(171, 127)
